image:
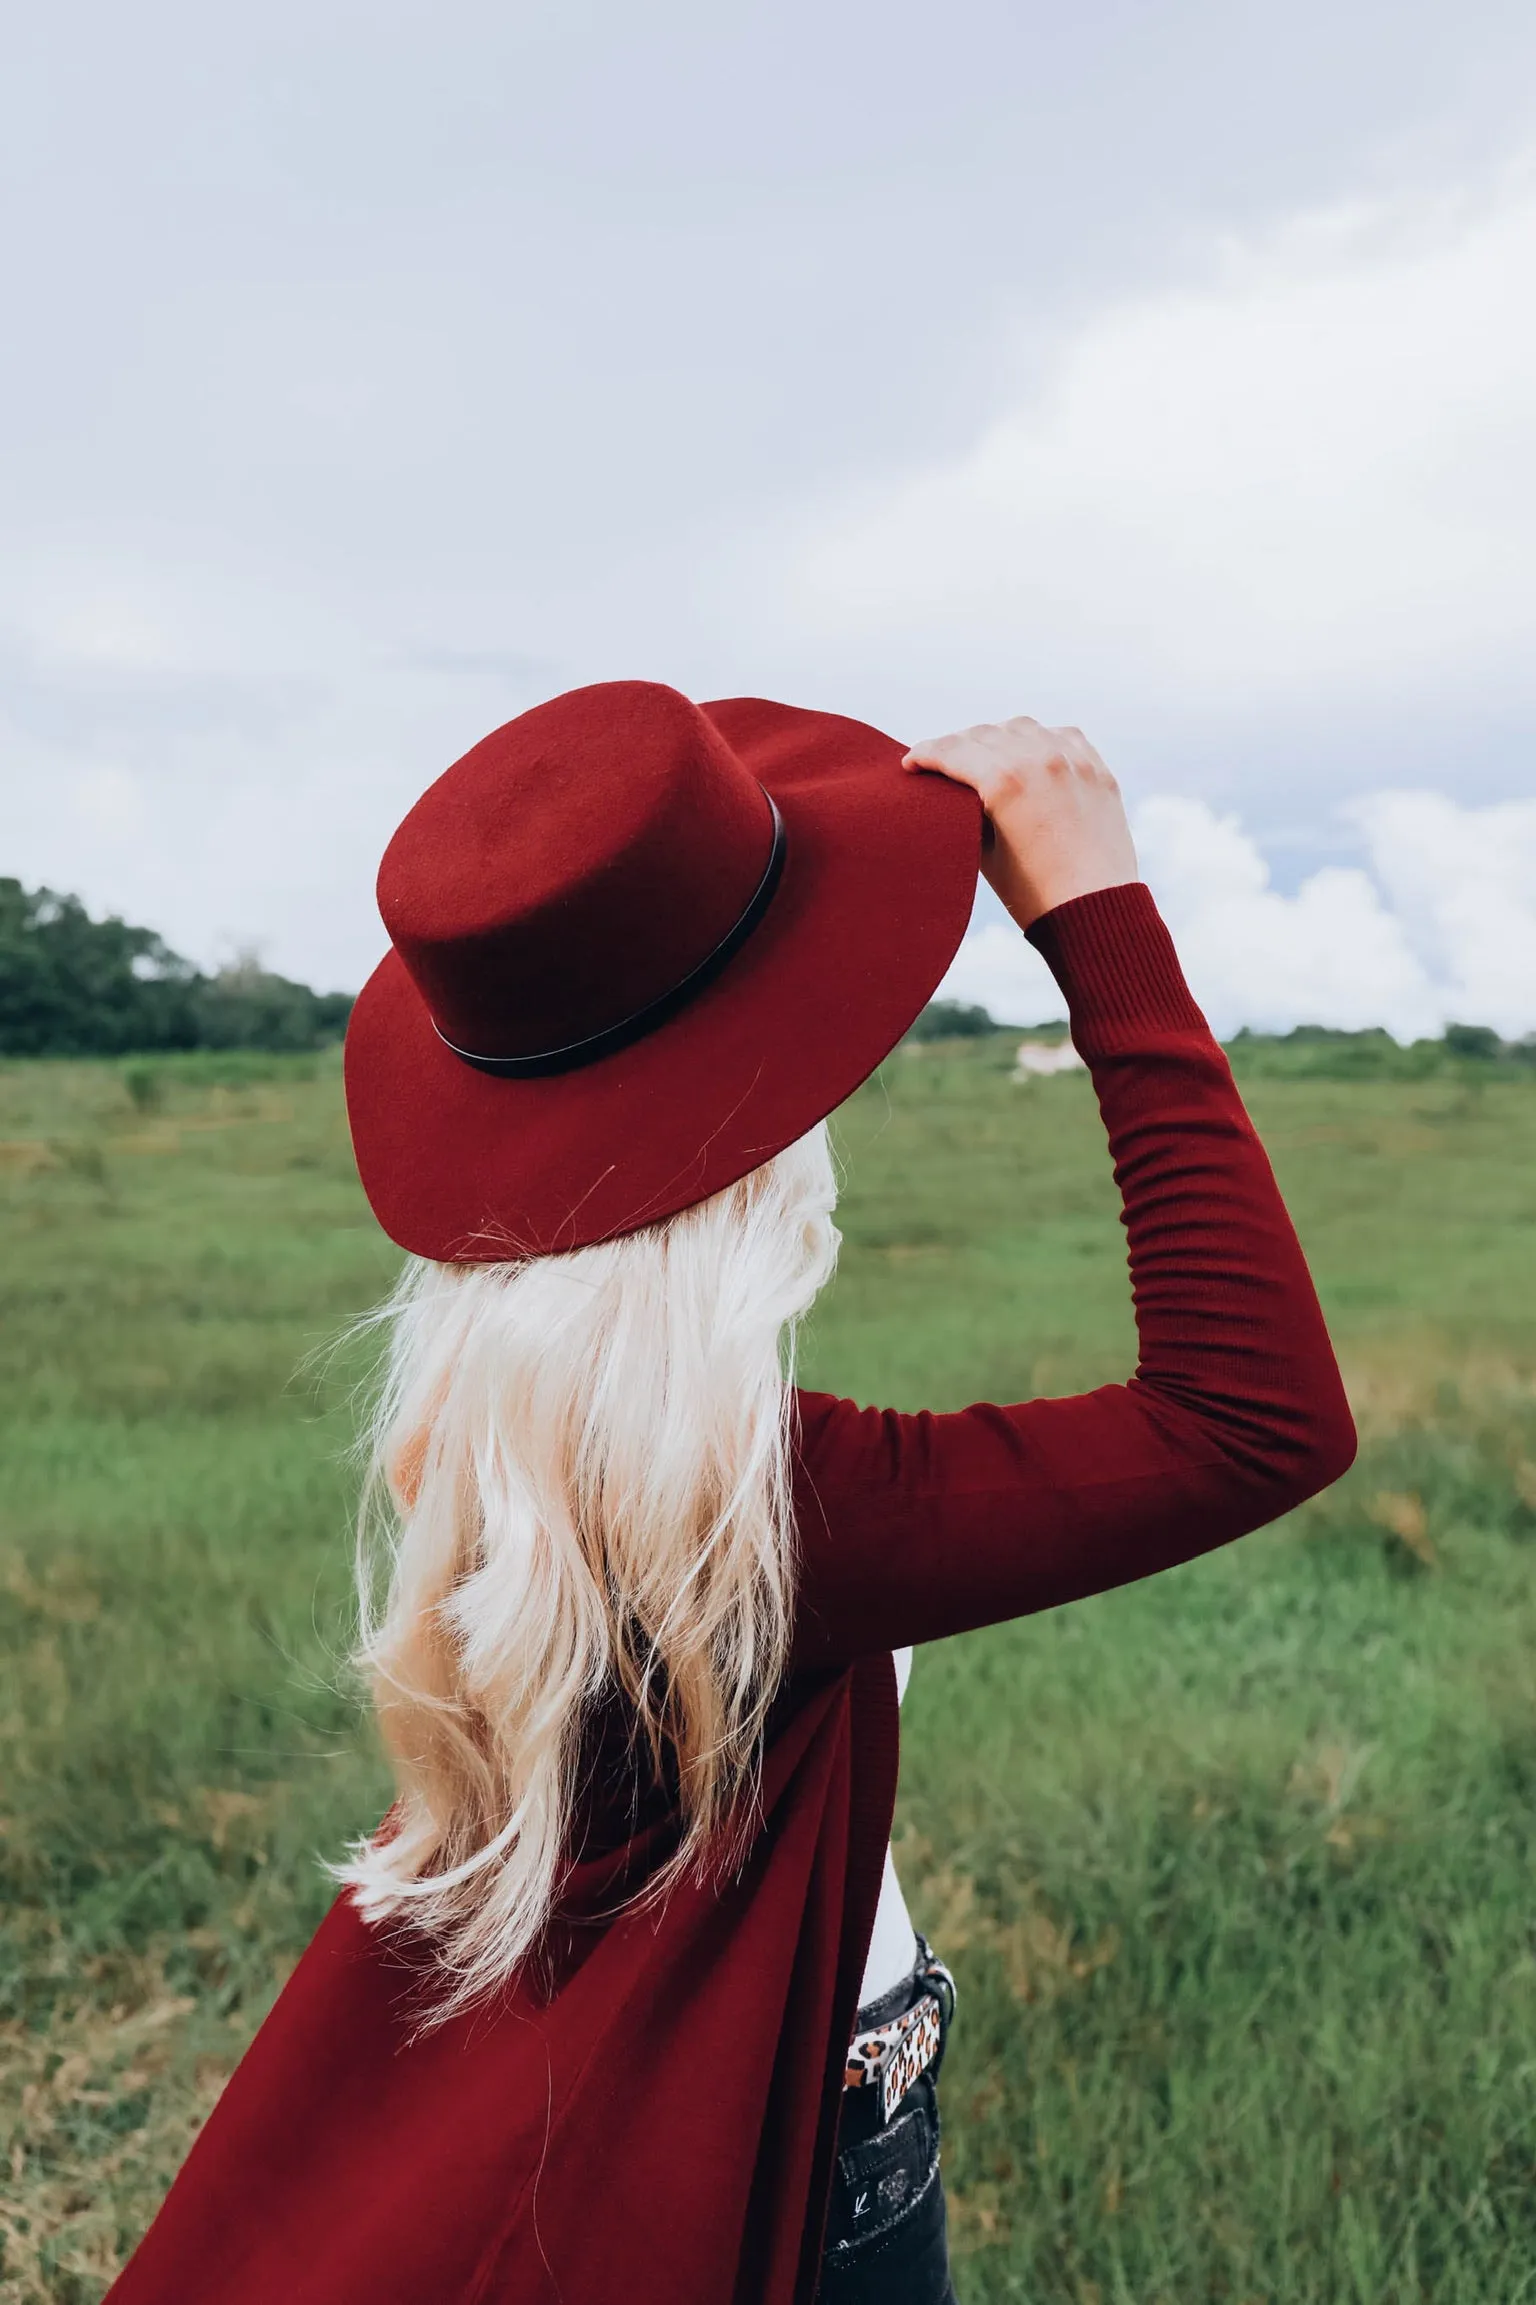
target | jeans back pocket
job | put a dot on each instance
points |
(879, 2180)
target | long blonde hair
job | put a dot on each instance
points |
(578, 1486)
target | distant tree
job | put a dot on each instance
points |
(1324, 1052)
(952, 1020)
(1474, 1040)
(246, 1006)
(332, 1009)
(74, 986)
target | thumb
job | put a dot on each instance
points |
(928, 754)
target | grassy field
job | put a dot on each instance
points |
(1235, 1868)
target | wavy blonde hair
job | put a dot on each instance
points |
(578, 1485)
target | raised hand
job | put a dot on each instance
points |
(1057, 821)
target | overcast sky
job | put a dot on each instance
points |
(375, 371)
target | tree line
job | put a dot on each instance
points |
(74, 986)
(1307, 1052)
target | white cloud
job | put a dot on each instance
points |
(1437, 926)
(1331, 954)
(1313, 470)
(1463, 883)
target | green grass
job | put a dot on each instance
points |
(1235, 1867)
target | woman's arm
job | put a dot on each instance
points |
(916, 1526)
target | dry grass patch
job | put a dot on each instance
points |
(91, 2107)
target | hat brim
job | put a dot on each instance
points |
(878, 881)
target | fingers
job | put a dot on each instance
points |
(972, 755)
(1081, 753)
(941, 751)
(1004, 750)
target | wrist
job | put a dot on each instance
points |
(1029, 895)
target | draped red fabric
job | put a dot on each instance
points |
(655, 2120)
(658, 2127)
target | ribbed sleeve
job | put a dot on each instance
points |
(1113, 957)
(917, 1525)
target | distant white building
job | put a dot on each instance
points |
(1042, 1056)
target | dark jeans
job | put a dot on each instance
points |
(886, 2241)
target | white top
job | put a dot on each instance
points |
(893, 1943)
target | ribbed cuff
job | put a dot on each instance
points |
(1112, 956)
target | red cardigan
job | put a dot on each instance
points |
(657, 2123)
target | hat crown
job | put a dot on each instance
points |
(574, 868)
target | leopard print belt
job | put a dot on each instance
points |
(891, 2056)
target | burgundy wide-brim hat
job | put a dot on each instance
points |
(639, 946)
